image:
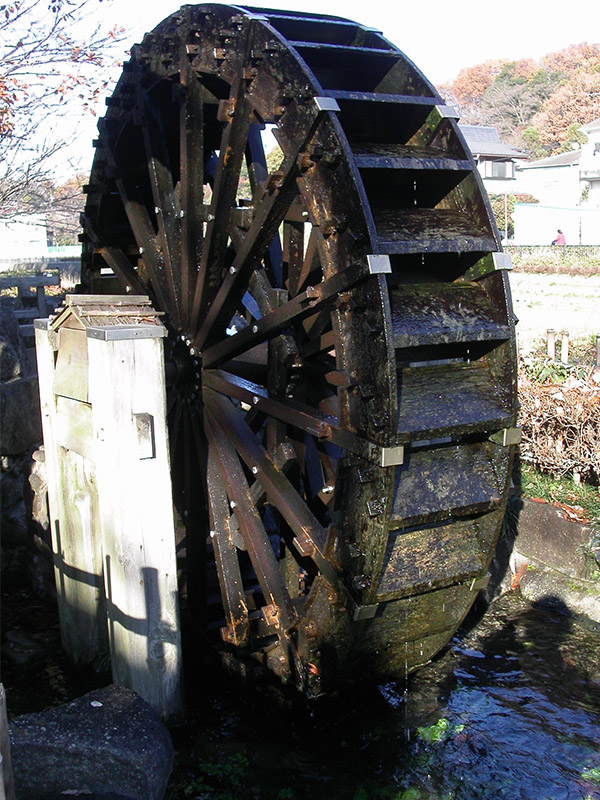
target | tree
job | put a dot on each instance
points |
(538, 107)
(506, 203)
(48, 78)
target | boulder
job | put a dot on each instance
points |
(14, 362)
(20, 419)
(108, 743)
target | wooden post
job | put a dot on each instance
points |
(551, 344)
(73, 503)
(564, 350)
(7, 786)
(128, 399)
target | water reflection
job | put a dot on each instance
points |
(511, 710)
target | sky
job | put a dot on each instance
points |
(441, 37)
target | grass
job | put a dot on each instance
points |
(562, 489)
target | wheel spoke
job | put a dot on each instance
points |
(258, 174)
(310, 535)
(121, 266)
(238, 114)
(279, 194)
(228, 568)
(257, 541)
(191, 177)
(142, 229)
(165, 204)
(304, 305)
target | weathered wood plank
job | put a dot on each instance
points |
(73, 426)
(429, 558)
(448, 398)
(430, 484)
(76, 545)
(136, 511)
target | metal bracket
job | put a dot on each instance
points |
(447, 112)
(392, 456)
(507, 436)
(326, 104)
(479, 583)
(379, 264)
(489, 264)
(365, 612)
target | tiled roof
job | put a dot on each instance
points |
(483, 140)
(567, 159)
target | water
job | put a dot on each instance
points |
(511, 710)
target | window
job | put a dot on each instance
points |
(500, 169)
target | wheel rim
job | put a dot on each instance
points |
(343, 309)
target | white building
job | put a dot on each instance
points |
(589, 164)
(23, 237)
(567, 186)
(496, 161)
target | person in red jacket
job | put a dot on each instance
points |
(560, 239)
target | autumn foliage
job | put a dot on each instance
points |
(536, 106)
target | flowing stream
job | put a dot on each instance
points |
(510, 710)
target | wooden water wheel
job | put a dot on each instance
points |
(341, 351)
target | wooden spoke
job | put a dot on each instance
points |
(166, 208)
(230, 578)
(268, 216)
(251, 526)
(237, 113)
(121, 266)
(143, 231)
(191, 178)
(304, 305)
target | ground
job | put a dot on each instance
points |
(562, 302)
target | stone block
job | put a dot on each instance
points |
(108, 742)
(20, 420)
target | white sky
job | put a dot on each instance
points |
(440, 36)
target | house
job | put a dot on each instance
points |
(553, 181)
(495, 160)
(567, 186)
(589, 164)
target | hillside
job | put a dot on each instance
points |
(536, 106)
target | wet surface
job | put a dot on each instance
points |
(510, 710)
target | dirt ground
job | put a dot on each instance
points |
(561, 302)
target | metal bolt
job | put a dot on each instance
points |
(156, 210)
(255, 470)
(232, 270)
(255, 400)
(182, 213)
(232, 504)
(255, 329)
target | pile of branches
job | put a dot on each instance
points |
(561, 425)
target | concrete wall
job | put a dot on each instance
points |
(538, 224)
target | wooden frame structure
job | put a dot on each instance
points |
(102, 391)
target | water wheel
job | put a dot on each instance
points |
(341, 351)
